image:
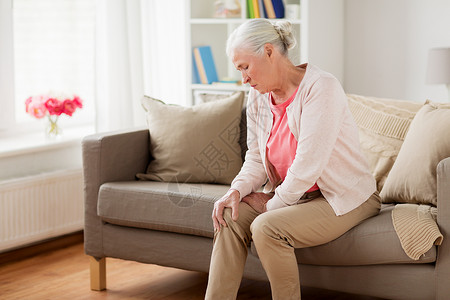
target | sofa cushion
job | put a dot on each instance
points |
(204, 141)
(372, 242)
(186, 208)
(182, 208)
(413, 176)
(383, 124)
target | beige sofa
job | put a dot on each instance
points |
(169, 224)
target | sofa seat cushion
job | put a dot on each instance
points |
(182, 208)
(186, 208)
(372, 242)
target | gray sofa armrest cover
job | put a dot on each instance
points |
(109, 157)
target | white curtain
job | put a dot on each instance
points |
(166, 56)
(140, 49)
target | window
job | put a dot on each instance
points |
(51, 43)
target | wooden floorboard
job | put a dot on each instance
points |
(64, 274)
(41, 247)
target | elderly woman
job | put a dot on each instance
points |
(303, 145)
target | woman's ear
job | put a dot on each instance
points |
(268, 49)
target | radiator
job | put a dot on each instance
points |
(39, 207)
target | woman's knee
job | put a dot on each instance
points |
(260, 228)
(270, 228)
(245, 215)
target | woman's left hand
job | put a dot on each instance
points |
(257, 201)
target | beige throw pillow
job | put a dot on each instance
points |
(413, 176)
(194, 144)
(383, 124)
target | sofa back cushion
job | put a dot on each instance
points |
(383, 124)
(206, 97)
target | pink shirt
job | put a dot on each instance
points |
(282, 145)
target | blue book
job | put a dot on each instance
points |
(278, 7)
(205, 65)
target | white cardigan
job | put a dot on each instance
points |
(328, 150)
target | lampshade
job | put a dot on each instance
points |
(438, 71)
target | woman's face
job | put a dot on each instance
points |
(255, 69)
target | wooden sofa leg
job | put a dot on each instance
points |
(98, 273)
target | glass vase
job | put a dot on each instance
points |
(52, 130)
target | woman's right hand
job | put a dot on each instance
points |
(231, 199)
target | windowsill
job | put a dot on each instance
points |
(37, 142)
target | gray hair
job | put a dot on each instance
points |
(255, 33)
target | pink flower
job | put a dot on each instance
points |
(54, 106)
(27, 103)
(69, 107)
(35, 106)
(78, 102)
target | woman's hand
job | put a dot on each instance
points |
(257, 201)
(230, 199)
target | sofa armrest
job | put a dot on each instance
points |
(443, 219)
(113, 156)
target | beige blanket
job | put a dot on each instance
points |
(416, 228)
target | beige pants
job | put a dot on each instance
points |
(276, 234)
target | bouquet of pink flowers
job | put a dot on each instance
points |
(52, 107)
(42, 105)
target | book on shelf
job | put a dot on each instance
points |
(256, 9)
(195, 75)
(269, 9)
(272, 9)
(204, 65)
(250, 10)
(278, 7)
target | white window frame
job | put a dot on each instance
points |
(9, 126)
(7, 112)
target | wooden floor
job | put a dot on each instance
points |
(64, 274)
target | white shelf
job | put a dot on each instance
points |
(206, 30)
(225, 21)
(221, 87)
(203, 29)
(318, 18)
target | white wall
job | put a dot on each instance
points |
(325, 48)
(387, 43)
